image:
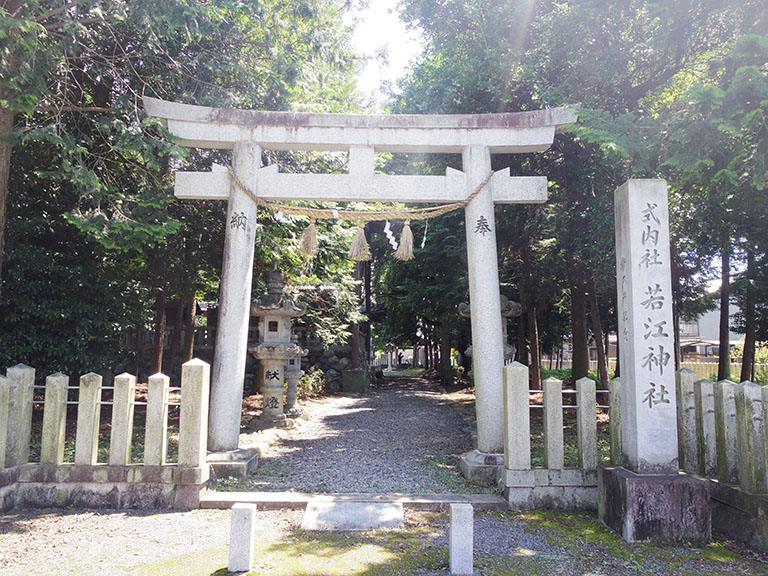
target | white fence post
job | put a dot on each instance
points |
(727, 432)
(586, 424)
(54, 419)
(686, 420)
(156, 431)
(517, 418)
(22, 379)
(751, 434)
(88, 412)
(553, 423)
(614, 401)
(704, 394)
(193, 421)
(123, 402)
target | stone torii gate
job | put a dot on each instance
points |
(248, 132)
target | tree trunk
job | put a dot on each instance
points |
(724, 356)
(190, 312)
(580, 367)
(170, 362)
(446, 373)
(522, 344)
(597, 331)
(157, 350)
(6, 129)
(535, 366)
(748, 355)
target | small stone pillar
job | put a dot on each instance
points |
(54, 419)
(241, 537)
(19, 431)
(648, 499)
(461, 539)
(88, 413)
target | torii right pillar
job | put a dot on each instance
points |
(649, 499)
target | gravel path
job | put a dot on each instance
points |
(404, 436)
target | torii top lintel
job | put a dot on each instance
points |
(515, 132)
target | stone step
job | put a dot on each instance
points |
(299, 500)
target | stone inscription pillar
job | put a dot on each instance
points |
(235, 304)
(649, 417)
(485, 302)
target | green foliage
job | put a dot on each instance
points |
(312, 383)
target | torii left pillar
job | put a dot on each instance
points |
(234, 313)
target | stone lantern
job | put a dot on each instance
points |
(276, 346)
(509, 309)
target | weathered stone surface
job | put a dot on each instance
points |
(649, 435)
(122, 420)
(654, 508)
(242, 537)
(461, 539)
(565, 489)
(193, 419)
(704, 393)
(234, 302)
(553, 423)
(481, 468)
(614, 401)
(54, 419)
(5, 401)
(22, 378)
(726, 432)
(234, 464)
(687, 441)
(88, 412)
(742, 516)
(156, 431)
(354, 381)
(586, 423)
(750, 417)
(517, 418)
(338, 515)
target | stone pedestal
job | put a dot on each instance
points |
(273, 390)
(292, 388)
(354, 382)
(481, 468)
(234, 463)
(654, 508)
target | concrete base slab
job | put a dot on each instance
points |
(328, 515)
(481, 468)
(654, 508)
(234, 463)
(354, 382)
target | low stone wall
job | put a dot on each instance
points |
(740, 515)
(155, 483)
(552, 486)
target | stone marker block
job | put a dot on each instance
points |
(22, 378)
(241, 537)
(704, 393)
(553, 423)
(686, 421)
(517, 418)
(88, 412)
(193, 417)
(156, 430)
(354, 382)
(5, 400)
(654, 508)
(359, 516)
(615, 414)
(122, 420)
(461, 539)
(751, 438)
(727, 432)
(586, 430)
(54, 419)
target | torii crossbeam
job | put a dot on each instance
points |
(247, 132)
